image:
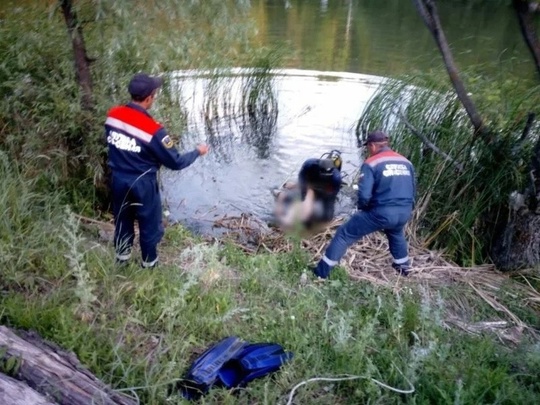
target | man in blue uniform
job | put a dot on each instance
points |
(386, 196)
(138, 147)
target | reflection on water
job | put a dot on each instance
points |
(307, 114)
(388, 38)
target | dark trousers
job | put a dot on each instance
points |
(390, 220)
(328, 204)
(137, 198)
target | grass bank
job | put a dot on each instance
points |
(139, 330)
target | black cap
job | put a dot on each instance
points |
(142, 85)
(376, 136)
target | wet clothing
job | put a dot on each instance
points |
(325, 184)
(138, 147)
(386, 196)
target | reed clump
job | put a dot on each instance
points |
(464, 180)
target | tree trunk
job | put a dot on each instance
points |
(430, 16)
(525, 12)
(82, 62)
(77, 140)
(53, 373)
(519, 245)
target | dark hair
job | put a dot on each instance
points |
(139, 98)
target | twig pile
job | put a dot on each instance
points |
(369, 260)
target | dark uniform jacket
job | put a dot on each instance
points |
(325, 187)
(139, 144)
(386, 180)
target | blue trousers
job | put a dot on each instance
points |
(137, 198)
(390, 220)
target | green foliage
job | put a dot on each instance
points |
(26, 217)
(41, 119)
(138, 330)
(462, 200)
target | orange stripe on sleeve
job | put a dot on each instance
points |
(135, 118)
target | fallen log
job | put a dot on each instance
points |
(14, 392)
(53, 373)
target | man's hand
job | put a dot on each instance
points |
(202, 148)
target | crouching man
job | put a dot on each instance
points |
(312, 199)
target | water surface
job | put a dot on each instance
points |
(317, 112)
(338, 51)
(388, 37)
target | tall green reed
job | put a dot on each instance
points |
(27, 220)
(464, 183)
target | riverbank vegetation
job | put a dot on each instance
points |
(465, 183)
(483, 138)
(138, 331)
(45, 123)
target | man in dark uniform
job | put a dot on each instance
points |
(138, 147)
(320, 182)
(315, 194)
(386, 196)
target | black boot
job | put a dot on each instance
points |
(402, 269)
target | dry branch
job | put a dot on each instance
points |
(428, 11)
(427, 142)
(525, 11)
(369, 260)
(82, 61)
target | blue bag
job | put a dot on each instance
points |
(253, 361)
(231, 363)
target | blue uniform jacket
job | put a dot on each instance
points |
(324, 187)
(386, 180)
(139, 144)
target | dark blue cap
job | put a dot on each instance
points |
(142, 85)
(376, 136)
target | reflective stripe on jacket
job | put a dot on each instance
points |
(386, 180)
(139, 144)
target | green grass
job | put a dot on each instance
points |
(139, 330)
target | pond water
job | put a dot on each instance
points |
(388, 37)
(340, 50)
(314, 113)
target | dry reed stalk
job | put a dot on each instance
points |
(369, 260)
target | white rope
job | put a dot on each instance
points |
(346, 377)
